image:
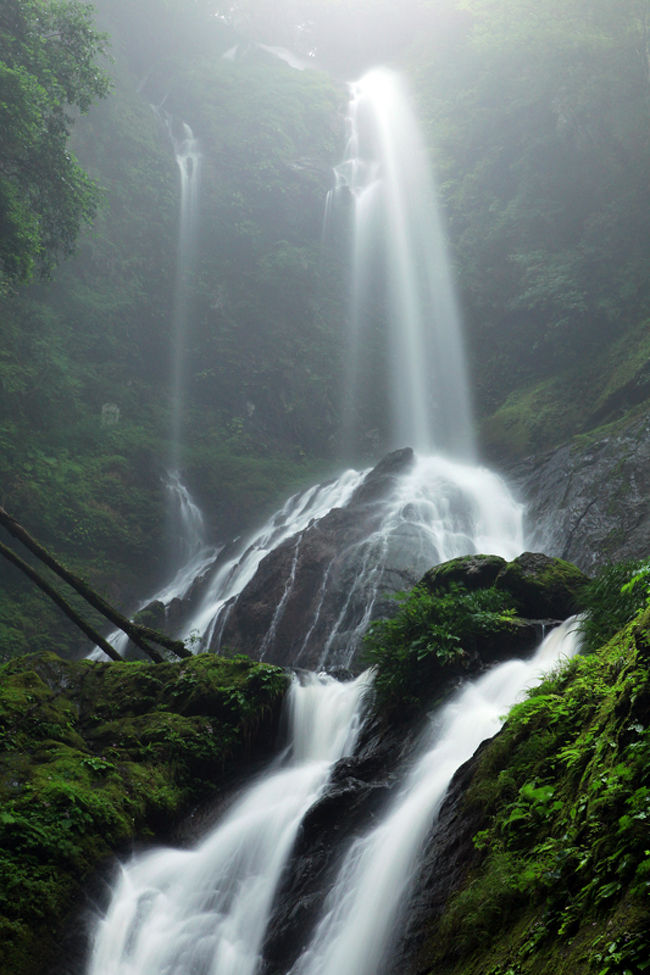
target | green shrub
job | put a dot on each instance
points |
(431, 633)
(613, 598)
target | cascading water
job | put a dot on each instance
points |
(205, 911)
(188, 157)
(399, 237)
(433, 510)
(232, 577)
(361, 912)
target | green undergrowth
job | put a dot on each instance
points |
(431, 635)
(463, 615)
(561, 879)
(95, 755)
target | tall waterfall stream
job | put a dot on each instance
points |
(207, 910)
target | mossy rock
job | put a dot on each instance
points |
(94, 756)
(543, 587)
(469, 571)
(463, 616)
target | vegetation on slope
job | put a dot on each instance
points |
(464, 615)
(561, 879)
(93, 756)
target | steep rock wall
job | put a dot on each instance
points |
(589, 500)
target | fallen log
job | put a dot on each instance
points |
(137, 633)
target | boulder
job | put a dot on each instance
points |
(541, 586)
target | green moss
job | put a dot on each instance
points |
(542, 586)
(564, 796)
(94, 755)
(605, 390)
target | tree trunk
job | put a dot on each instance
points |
(138, 634)
(60, 601)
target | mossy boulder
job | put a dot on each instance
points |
(94, 756)
(540, 587)
(464, 615)
(469, 571)
(543, 587)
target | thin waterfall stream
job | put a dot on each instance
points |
(188, 555)
(187, 153)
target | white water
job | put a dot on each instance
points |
(195, 555)
(435, 511)
(363, 907)
(231, 578)
(204, 911)
(399, 238)
(188, 157)
(438, 510)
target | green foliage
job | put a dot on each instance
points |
(93, 756)
(431, 632)
(262, 358)
(48, 68)
(613, 598)
(562, 880)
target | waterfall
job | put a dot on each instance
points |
(231, 578)
(205, 911)
(399, 239)
(432, 511)
(188, 159)
(360, 914)
(443, 507)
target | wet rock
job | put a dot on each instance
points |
(589, 501)
(309, 595)
(358, 791)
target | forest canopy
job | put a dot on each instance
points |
(49, 72)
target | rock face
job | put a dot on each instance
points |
(589, 501)
(308, 597)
